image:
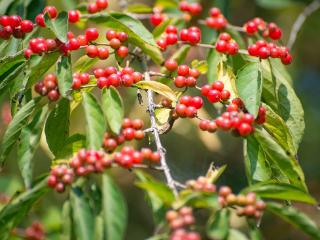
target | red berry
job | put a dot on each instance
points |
(103, 53)
(264, 52)
(247, 118)
(221, 46)
(171, 65)
(122, 36)
(232, 48)
(92, 51)
(76, 83)
(74, 44)
(186, 100)
(184, 33)
(27, 53)
(197, 102)
(251, 27)
(123, 52)
(26, 26)
(184, 6)
(244, 129)
(74, 16)
(191, 81)
(155, 157)
(203, 125)
(156, 19)
(129, 133)
(51, 10)
(171, 29)
(191, 112)
(162, 43)
(111, 34)
(214, 96)
(195, 9)
(194, 73)
(127, 80)
(102, 82)
(253, 50)
(183, 70)
(215, 12)
(225, 37)
(181, 110)
(225, 95)
(99, 72)
(92, 34)
(194, 37)
(102, 4)
(180, 81)
(205, 90)
(115, 43)
(114, 80)
(172, 39)
(218, 85)
(82, 39)
(287, 59)
(5, 21)
(92, 8)
(40, 20)
(53, 95)
(137, 77)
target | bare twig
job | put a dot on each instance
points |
(160, 148)
(311, 8)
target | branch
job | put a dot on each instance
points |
(160, 148)
(311, 8)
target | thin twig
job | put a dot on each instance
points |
(160, 148)
(311, 8)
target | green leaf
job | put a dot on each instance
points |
(295, 218)
(274, 4)
(214, 173)
(278, 129)
(57, 126)
(156, 202)
(29, 142)
(114, 210)
(64, 75)
(281, 97)
(113, 108)
(255, 233)
(39, 65)
(282, 159)
(13, 75)
(257, 165)
(139, 8)
(282, 191)
(15, 212)
(213, 60)
(13, 131)
(71, 146)
(8, 62)
(82, 215)
(84, 63)
(157, 87)
(66, 232)
(138, 34)
(96, 125)
(249, 86)
(167, 3)
(59, 25)
(219, 224)
(236, 235)
(201, 66)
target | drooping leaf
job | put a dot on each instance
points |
(57, 126)
(138, 34)
(96, 125)
(59, 25)
(249, 86)
(282, 159)
(282, 191)
(14, 212)
(82, 215)
(295, 218)
(225, 74)
(29, 142)
(157, 87)
(113, 108)
(219, 224)
(114, 210)
(64, 75)
(257, 165)
(14, 129)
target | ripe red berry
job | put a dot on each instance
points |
(74, 44)
(127, 80)
(162, 43)
(103, 53)
(251, 27)
(40, 20)
(245, 129)
(183, 70)
(74, 16)
(181, 110)
(225, 95)
(184, 35)
(156, 19)
(197, 102)
(102, 82)
(92, 8)
(114, 80)
(172, 38)
(232, 48)
(102, 4)
(76, 83)
(122, 36)
(92, 51)
(180, 81)
(27, 53)
(115, 43)
(137, 77)
(171, 65)
(205, 90)
(215, 12)
(111, 34)
(218, 85)
(92, 34)
(225, 37)
(194, 37)
(26, 26)
(214, 96)
(287, 59)
(171, 29)
(123, 51)
(53, 95)
(194, 9)
(221, 46)
(51, 10)
(264, 52)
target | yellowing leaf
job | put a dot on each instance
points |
(158, 88)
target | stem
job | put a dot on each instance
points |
(160, 148)
(311, 8)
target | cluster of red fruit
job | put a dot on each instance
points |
(39, 46)
(215, 92)
(187, 77)
(248, 204)
(35, 232)
(131, 129)
(59, 177)
(14, 25)
(80, 79)
(48, 87)
(193, 9)
(270, 30)
(264, 50)
(179, 221)
(90, 161)
(201, 184)
(227, 45)
(97, 6)
(128, 157)
(112, 77)
(192, 35)
(188, 106)
(52, 13)
(216, 19)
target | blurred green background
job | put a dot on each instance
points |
(190, 151)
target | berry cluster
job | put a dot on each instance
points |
(170, 37)
(216, 19)
(187, 77)
(270, 30)
(14, 25)
(97, 6)
(59, 177)
(34, 232)
(215, 92)
(48, 87)
(248, 204)
(188, 106)
(131, 129)
(264, 50)
(79, 80)
(39, 46)
(179, 221)
(202, 184)
(90, 161)
(192, 35)
(193, 9)
(112, 77)
(52, 13)
(127, 157)
(227, 45)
